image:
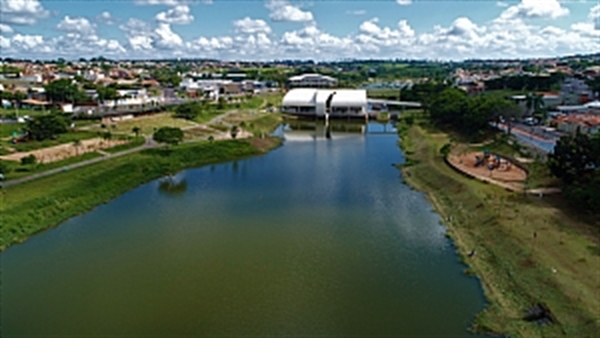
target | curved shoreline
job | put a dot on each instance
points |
(492, 229)
(32, 207)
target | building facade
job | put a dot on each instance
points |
(312, 81)
(312, 102)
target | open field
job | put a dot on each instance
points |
(528, 249)
(146, 123)
(383, 93)
(34, 206)
(64, 151)
(67, 138)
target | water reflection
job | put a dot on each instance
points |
(172, 186)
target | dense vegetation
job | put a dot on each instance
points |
(453, 108)
(576, 162)
(526, 82)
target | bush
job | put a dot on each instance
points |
(27, 160)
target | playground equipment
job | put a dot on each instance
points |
(492, 162)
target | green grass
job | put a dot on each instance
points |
(6, 129)
(147, 124)
(383, 93)
(34, 206)
(17, 170)
(208, 115)
(515, 269)
(69, 137)
(263, 124)
(133, 143)
(22, 112)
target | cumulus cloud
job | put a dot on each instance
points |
(535, 9)
(281, 10)
(5, 29)
(178, 15)
(77, 25)
(106, 18)
(251, 26)
(24, 12)
(509, 35)
(594, 16)
(404, 2)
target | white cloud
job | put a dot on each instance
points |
(501, 4)
(404, 2)
(77, 25)
(178, 15)
(594, 16)
(251, 26)
(158, 2)
(5, 29)
(510, 35)
(22, 12)
(106, 18)
(281, 10)
(551, 9)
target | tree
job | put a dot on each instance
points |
(221, 103)
(188, 111)
(594, 85)
(534, 103)
(136, 130)
(168, 135)
(64, 90)
(572, 157)
(107, 93)
(46, 127)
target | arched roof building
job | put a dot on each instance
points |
(313, 102)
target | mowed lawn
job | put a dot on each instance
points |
(529, 249)
(147, 124)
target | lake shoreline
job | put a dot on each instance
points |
(42, 204)
(514, 274)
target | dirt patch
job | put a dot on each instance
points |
(64, 151)
(494, 170)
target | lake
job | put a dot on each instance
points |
(320, 237)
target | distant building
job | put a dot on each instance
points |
(574, 91)
(315, 102)
(312, 81)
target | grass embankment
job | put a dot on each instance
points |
(17, 170)
(558, 266)
(34, 206)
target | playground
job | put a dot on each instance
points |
(491, 168)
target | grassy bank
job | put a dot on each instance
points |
(557, 266)
(34, 206)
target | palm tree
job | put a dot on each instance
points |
(234, 131)
(136, 131)
(534, 102)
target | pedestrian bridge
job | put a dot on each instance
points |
(405, 104)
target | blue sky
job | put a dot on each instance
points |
(270, 29)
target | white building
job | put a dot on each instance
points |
(312, 81)
(315, 102)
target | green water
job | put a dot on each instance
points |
(317, 238)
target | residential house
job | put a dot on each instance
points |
(583, 123)
(574, 91)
